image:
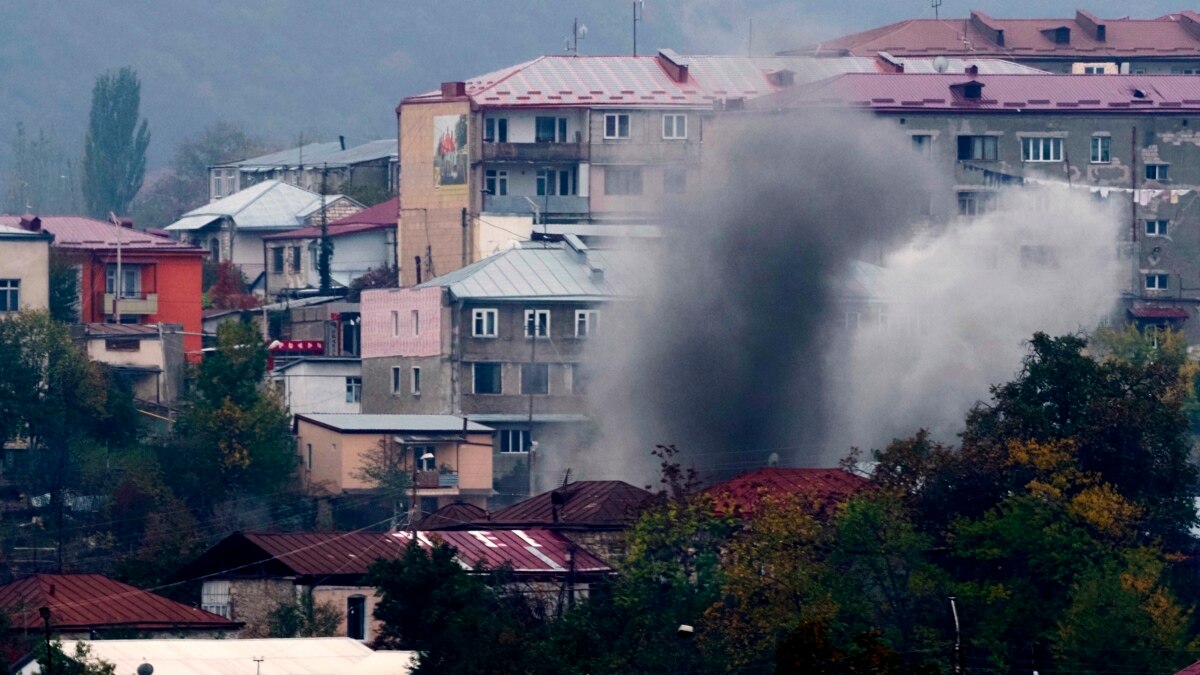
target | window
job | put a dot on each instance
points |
(922, 144)
(1157, 228)
(976, 203)
(214, 249)
(623, 180)
(122, 345)
(585, 323)
(535, 378)
(982, 148)
(395, 379)
(1157, 282)
(546, 182)
(416, 381)
(513, 441)
(616, 125)
(416, 322)
(131, 281)
(396, 323)
(1093, 70)
(550, 130)
(1100, 150)
(483, 323)
(487, 378)
(10, 295)
(420, 461)
(675, 127)
(496, 182)
(277, 260)
(502, 130)
(309, 450)
(353, 390)
(1156, 172)
(1041, 149)
(537, 320)
(674, 180)
(495, 130)
(356, 617)
(578, 379)
(214, 597)
(296, 259)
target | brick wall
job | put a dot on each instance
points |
(383, 309)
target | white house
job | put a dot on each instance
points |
(320, 384)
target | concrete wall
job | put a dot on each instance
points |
(319, 386)
(27, 259)
(353, 256)
(436, 397)
(390, 329)
(252, 601)
(337, 597)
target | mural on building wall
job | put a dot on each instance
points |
(450, 153)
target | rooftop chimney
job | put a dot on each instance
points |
(674, 65)
(454, 89)
(127, 223)
(972, 70)
(342, 141)
(31, 222)
(1090, 25)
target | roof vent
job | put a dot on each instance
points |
(31, 222)
(454, 89)
(1060, 35)
(1090, 25)
(1139, 93)
(674, 65)
(972, 70)
(786, 78)
(971, 91)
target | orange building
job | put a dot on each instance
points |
(159, 281)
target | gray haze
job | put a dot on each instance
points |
(285, 67)
(724, 355)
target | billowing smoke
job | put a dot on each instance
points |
(960, 307)
(721, 355)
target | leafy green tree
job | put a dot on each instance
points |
(64, 287)
(57, 662)
(42, 178)
(304, 617)
(380, 277)
(388, 466)
(114, 154)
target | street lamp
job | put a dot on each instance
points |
(412, 507)
(45, 613)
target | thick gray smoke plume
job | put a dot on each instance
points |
(722, 355)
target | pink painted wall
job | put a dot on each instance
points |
(381, 336)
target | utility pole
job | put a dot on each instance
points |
(534, 331)
(957, 639)
(325, 249)
(112, 217)
(639, 14)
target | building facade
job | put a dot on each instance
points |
(24, 266)
(320, 384)
(371, 165)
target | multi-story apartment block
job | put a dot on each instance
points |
(586, 145)
(1083, 45)
(500, 341)
(373, 164)
(24, 265)
(1131, 140)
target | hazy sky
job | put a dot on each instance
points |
(285, 67)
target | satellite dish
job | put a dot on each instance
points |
(940, 64)
(773, 459)
(582, 30)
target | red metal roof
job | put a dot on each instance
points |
(1001, 93)
(528, 552)
(382, 216)
(1193, 669)
(586, 503)
(824, 486)
(325, 553)
(78, 232)
(87, 601)
(454, 517)
(1171, 36)
(1148, 312)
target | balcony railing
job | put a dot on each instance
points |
(517, 204)
(145, 303)
(535, 152)
(430, 480)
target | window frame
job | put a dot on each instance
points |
(532, 318)
(616, 133)
(506, 437)
(414, 380)
(674, 119)
(499, 378)
(623, 181)
(10, 291)
(986, 142)
(544, 378)
(589, 317)
(495, 182)
(1158, 281)
(297, 261)
(1101, 150)
(484, 314)
(131, 272)
(354, 389)
(1041, 149)
(1160, 170)
(1157, 227)
(277, 260)
(396, 380)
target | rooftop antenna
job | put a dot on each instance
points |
(935, 4)
(639, 14)
(578, 32)
(750, 38)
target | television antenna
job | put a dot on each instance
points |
(935, 4)
(578, 32)
(639, 14)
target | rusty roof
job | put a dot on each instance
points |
(1157, 312)
(529, 552)
(585, 503)
(1005, 93)
(824, 486)
(93, 601)
(1171, 36)
(79, 232)
(454, 516)
(382, 216)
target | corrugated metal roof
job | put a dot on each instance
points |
(744, 493)
(1001, 93)
(271, 204)
(587, 503)
(382, 216)
(324, 553)
(1124, 38)
(539, 418)
(959, 65)
(537, 270)
(88, 233)
(1153, 312)
(366, 152)
(121, 330)
(364, 423)
(85, 601)
(453, 516)
(530, 551)
(310, 153)
(279, 656)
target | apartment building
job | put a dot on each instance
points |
(24, 265)
(1129, 139)
(1083, 45)
(500, 341)
(370, 165)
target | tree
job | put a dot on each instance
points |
(304, 617)
(57, 662)
(380, 277)
(114, 155)
(228, 289)
(42, 178)
(388, 467)
(64, 287)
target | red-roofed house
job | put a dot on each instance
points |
(362, 242)
(160, 277)
(84, 605)
(743, 495)
(1082, 44)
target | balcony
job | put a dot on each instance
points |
(433, 480)
(535, 152)
(517, 205)
(145, 303)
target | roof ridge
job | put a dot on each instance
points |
(520, 67)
